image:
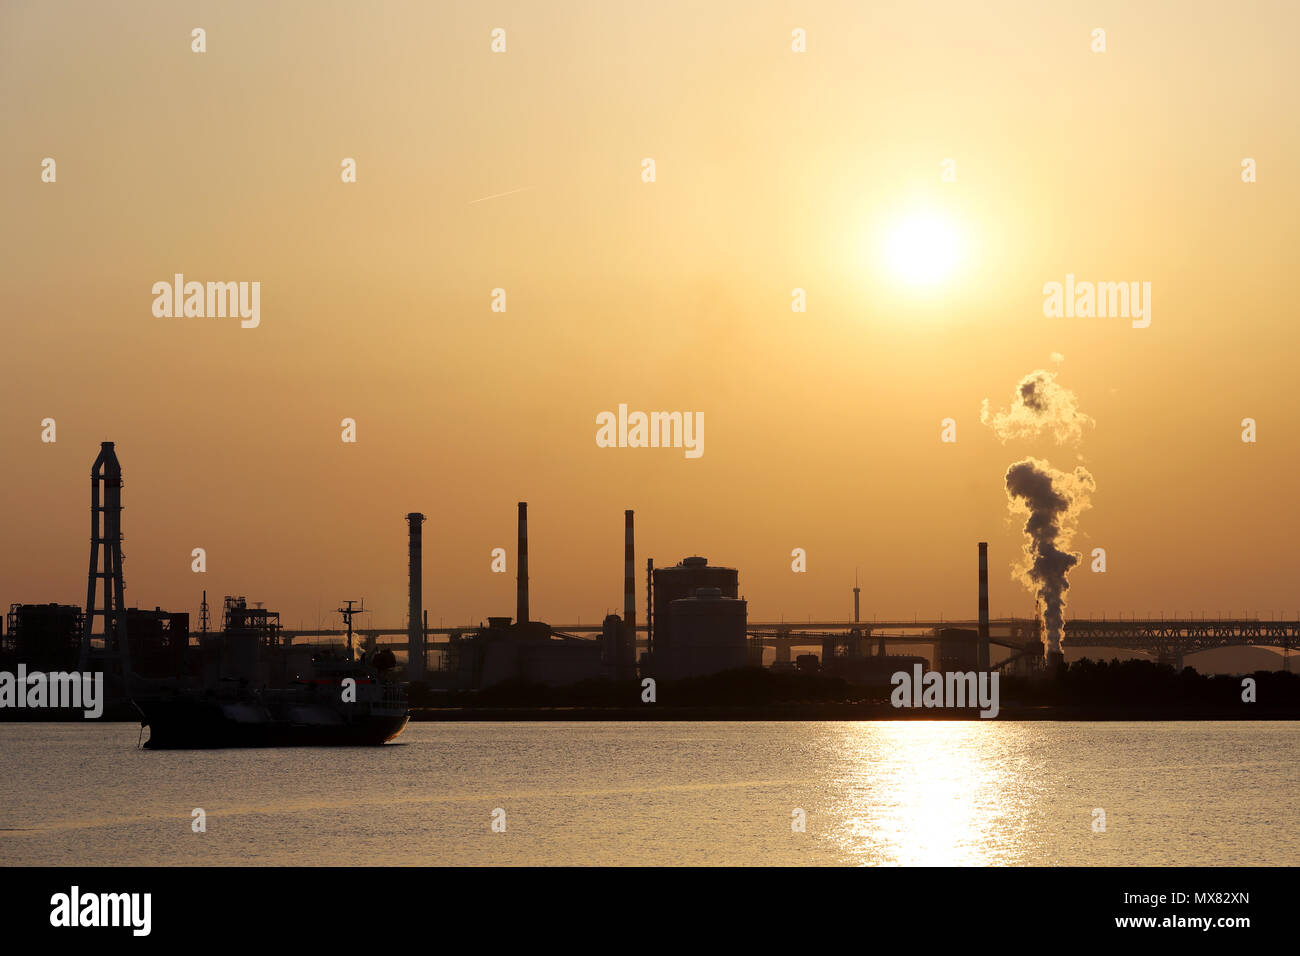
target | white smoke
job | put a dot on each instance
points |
(1039, 404)
(1050, 499)
(1053, 501)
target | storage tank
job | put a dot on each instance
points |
(681, 581)
(708, 633)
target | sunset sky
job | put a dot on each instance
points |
(775, 170)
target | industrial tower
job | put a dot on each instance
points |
(627, 657)
(415, 647)
(521, 567)
(982, 647)
(106, 566)
(857, 594)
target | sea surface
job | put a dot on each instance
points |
(674, 793)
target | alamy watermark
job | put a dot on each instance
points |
(194, 300)
(948, 689)
(651, 430)
(1102, 300)
(58, 689)
(74, 908)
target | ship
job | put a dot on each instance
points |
(322, 711)
(245, 697)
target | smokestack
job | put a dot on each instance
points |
(649, 606)
(627, 647)
(415, 608)
(521, 568)
(857, 591)
(629, 587)
(983, 652)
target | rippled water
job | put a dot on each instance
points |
(893, 792)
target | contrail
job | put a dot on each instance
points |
(499, 195)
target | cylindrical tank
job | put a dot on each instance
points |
(681, 581)
(708, 631)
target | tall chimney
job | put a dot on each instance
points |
(629, 587)
(649, 606)
(415, 607)
(857, 591)
(521, 568)
(627, 656)
(982, 659)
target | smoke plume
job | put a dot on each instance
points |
(1053, 501)
(1039, 404)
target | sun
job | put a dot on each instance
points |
(923, 249)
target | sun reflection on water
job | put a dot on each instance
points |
(931, 793)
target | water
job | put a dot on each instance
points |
(892, 792)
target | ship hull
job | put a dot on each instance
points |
(203, 725)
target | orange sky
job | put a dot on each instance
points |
(775, 170)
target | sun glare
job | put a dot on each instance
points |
(923, 249)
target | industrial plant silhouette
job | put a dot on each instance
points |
(696, 626)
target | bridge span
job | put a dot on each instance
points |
(1167, 639)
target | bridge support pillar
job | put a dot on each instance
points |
(782, 652)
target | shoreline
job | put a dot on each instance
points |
(823, 711)
(812, 711)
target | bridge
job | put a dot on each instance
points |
(1169, 640)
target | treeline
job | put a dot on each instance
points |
(745, 687)
(1137, 684)
(1120, 685)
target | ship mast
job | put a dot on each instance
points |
(348, 613)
